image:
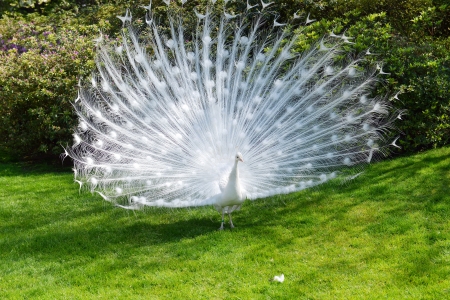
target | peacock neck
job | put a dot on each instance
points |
(234, 175)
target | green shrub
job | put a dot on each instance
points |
(418, 63)
(422, 70)
(40, 66)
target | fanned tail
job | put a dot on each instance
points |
(159, 128)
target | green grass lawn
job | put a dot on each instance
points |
(383, 235)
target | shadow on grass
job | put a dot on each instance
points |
(8, 169)
(97, 228)
(407, 175)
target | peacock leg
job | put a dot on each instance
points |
(223, 220)
(231, 221)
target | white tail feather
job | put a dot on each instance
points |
(160, 128)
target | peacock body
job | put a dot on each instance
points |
(168, 122)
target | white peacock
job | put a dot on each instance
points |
(164, 128)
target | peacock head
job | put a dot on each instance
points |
(239, 157)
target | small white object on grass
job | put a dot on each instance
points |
(279, 278)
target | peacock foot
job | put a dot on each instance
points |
(221, 227)
(231, 221)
